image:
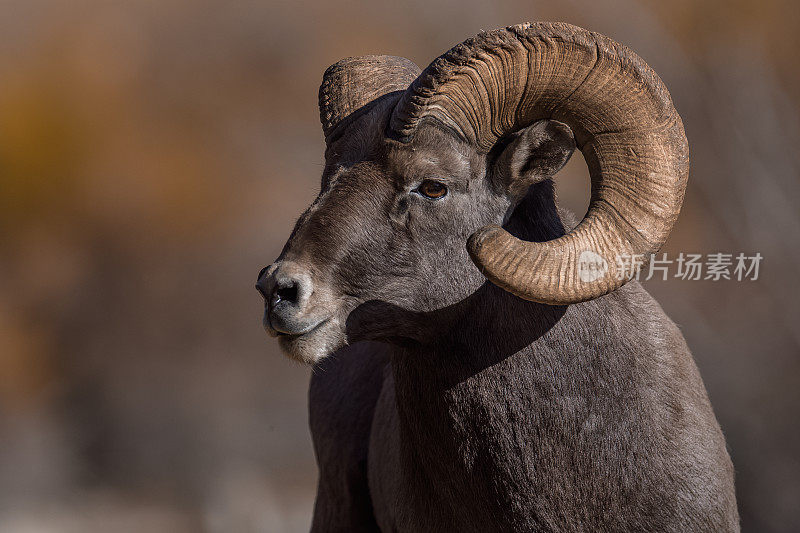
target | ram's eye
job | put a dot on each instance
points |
(432, 189)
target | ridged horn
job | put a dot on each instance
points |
(624, 123)
(352, 83)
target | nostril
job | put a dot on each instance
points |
(261, 290)
(287, 293)
(289, 289)
(260, 283)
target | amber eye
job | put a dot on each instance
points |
(432, 189)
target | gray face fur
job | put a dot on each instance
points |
(372, 235)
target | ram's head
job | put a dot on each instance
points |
(423, 168)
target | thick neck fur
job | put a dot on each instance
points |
(535, 417)
(447, 392)
(491, 324)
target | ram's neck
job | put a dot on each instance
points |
(491, 326)
(480, 352)
(516, 405)
(470, 405)
(447, 391)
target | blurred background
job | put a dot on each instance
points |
(153, 157)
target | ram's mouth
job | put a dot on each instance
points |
(307, 331)
(314, 343)
(274, 330)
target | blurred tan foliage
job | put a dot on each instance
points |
(153, 156)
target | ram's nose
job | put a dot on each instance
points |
(286, 287)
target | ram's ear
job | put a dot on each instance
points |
(532, 155)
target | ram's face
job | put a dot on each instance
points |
(389, 225)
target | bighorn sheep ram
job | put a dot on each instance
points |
(541, 399)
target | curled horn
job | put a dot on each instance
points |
(351, 84)
(624, 123)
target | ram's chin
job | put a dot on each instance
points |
(315, 345)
